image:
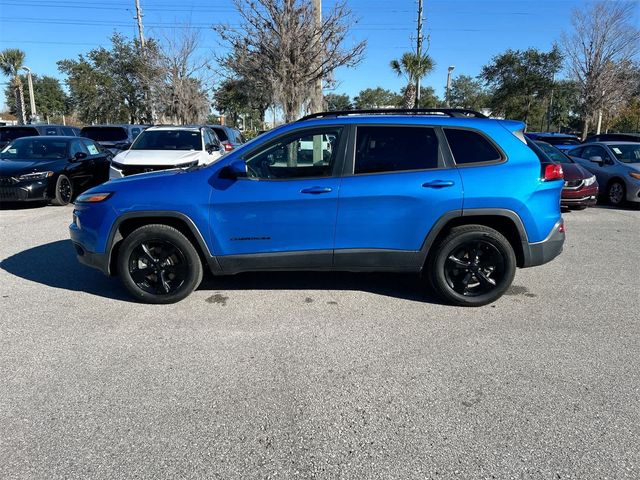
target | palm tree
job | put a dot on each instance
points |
(413, 67)
(11, 62)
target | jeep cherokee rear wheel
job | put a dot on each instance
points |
(158, 264)
(472, 266)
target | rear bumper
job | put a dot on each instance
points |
(543, 252)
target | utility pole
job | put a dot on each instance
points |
(316, 97)
(32, 100)
(449, 71)
(419, 51)
(140, 27)
(549, 112)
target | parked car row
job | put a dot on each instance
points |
(56, 163)
(605, 165)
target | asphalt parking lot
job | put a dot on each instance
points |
(307, 375)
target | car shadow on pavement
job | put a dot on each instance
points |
(55, 265)
(22, 205)
(405, 286)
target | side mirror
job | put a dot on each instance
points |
(596, 159)
(233, 171)
(79, 156)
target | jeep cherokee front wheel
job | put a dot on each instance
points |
(158, 264)
(472, 266)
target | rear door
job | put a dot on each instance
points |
(397, 184)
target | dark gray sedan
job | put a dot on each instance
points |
(616, 166)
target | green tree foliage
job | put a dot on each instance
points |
(428, 98)
(109, 85)
(468, 92)
(236, 99)
(520, 81)
(51, 100)
(335, 102)
(377, 98)
(413, 67)
(11, 62)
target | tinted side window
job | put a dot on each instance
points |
(76, 147)
(576, 152)
(222, 134)
(308, 154)
(594, 151)
(91, 147)
(470, 147)
(393, 149)
(134, 132)
(68, 131)
(50, 131)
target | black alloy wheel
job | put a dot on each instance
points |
(159, 264)
(472, 266)
(63, 192)
(158, 267)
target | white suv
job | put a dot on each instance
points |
(163, 148)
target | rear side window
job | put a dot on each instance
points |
(9, 133)
(105, 134)
(470, 147)
(222, 135)
(394, 149)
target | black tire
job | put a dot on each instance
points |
(63, 193)
(158, 264)
(616, 193)
(488, 274)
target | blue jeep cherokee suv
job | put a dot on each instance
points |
(461, 198)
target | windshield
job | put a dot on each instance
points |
(626, 153)
(168, 140)
(553, 153)
(105, 134)
(561, 140)
(35, 148)
(8, 134)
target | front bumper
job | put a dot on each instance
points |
(99, 261)
(25, 191)
(633, 191)
(583, 196)
(543, 252)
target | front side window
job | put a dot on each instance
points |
(310, 154)
(78, 147)
(168, 140)
(594, 151)
(91, 147)
(626, 153)
(395, 149)
(470, 147)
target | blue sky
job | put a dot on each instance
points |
(464, 33)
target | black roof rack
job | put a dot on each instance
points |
(449, 112)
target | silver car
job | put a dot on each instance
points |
(616, 166)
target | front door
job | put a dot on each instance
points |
(283, 214)
(395, 191)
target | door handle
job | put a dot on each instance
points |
(439, 184)
(316, 190)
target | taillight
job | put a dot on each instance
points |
(552, 172)
(227, 147)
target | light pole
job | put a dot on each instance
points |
(32, 99)
(449, 70)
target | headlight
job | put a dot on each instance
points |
(35, 176)
(635, 175)
(93, 197)
(590, 181)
